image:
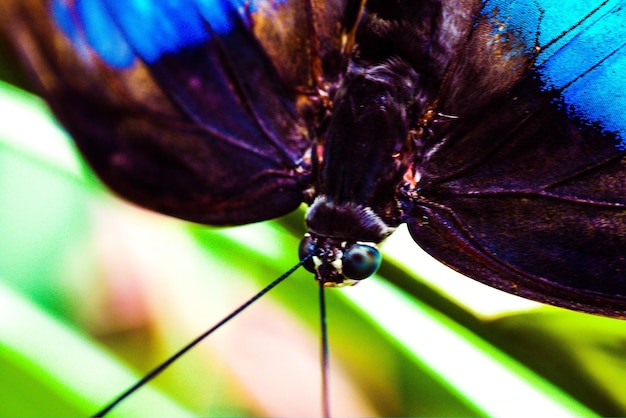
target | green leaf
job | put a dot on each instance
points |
(48, 368)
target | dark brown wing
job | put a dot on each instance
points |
(213, 130)
(516, 190)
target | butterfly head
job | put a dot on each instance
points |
(344, 237)
(339, 263)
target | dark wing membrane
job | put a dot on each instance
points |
(307, 61)
(182, 110)
(517, 191)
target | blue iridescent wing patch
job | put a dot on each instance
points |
(580, 53)
(494, 129)
(119, 32)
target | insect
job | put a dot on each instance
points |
(457, 118)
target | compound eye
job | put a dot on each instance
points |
(307, 247)
(360, 261)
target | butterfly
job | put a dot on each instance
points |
(488, 131)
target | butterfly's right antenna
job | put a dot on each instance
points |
(189, 346)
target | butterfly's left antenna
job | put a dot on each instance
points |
(325, 355)
(155, 372)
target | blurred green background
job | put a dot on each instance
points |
(95, 292)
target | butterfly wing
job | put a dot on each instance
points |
(524, 187)
(190, 109)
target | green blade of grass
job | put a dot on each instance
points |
(58, 372)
